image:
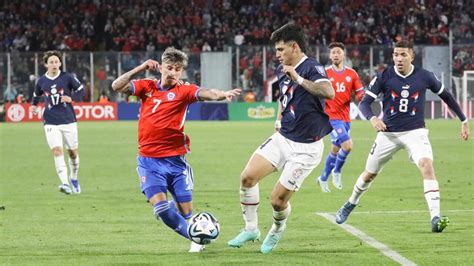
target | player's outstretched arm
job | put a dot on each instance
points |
(217, 95)
(122, 83)
(323, 88)
(465, 131)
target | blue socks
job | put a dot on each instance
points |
(170, 217)
(341, 159)
(330, 162)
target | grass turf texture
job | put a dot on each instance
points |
(111, 223)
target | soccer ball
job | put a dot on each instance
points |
(203, 228)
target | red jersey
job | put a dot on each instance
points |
(344, 82)
(162, 116)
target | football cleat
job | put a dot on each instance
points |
(243, 237)
(195, 248)
(439, 223)
(76, 188)
(337, 180)
(343, 213)
(323, 184)
(271, 241)
(64, 188)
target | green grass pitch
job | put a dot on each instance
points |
(111, 223)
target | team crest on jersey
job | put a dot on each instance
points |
(53, 89)
(171, 95)
(321, 71)
(405, 93)
(149, 94)
(348, 79)
(286, 82)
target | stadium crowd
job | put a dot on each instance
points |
(205, 25)
(143, 28)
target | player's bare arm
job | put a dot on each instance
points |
(279, 116)
(378, 124)
(323, 88)
(122, 83)
(465, 131)
(217, 95)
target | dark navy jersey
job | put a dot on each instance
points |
(404, 96)
(52, 88)
(303, 116)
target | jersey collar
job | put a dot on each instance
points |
(301, 61)
(52, 78)
(338, 71)
(409, 73)
(158, 84)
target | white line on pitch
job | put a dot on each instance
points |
(402, 212)
(392, 254)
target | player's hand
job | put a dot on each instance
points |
(465, 132)
(150, 65)
(34, 109)
(277, 125)
(378, 124)
(66, 99)
(229, 95)
(290, 72)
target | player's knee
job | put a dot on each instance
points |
(247, 179)
(426, 166)
(57, 151)
(278, 204)
(72, 154)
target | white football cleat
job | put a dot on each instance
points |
(323, 184)
(64, 188)
(76, 188)
(195, 248)
(337, 180)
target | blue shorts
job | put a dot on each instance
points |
(340, 132)
(171, 174)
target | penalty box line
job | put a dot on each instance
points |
(384, 249)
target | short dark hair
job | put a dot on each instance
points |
(404, 44)
(48, 54)
(337, 44)
(174, 56)
(290, 32)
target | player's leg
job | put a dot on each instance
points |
(344, 140)
(381, 152)
(154, 184)
(263, 162)
(71, 142)
(181, 189)
(322, 180)
(55, 142)
(420, 151)
(300, 163)
(281, 211)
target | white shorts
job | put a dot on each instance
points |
(386, 144)
(55, 134)
(296, 159)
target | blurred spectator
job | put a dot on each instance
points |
(9, 95)
(249, 97)
(103, 97)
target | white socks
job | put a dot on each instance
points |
(61, 168)
(432, 196)
(249, 201)
(74, 167)
(360, 188)
(279, 219)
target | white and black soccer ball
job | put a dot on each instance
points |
(203, 228)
